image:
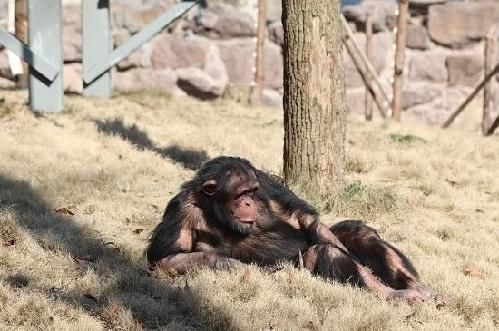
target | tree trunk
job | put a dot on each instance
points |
(314, 95)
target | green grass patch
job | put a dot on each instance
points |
(359, 200)
(406, 138)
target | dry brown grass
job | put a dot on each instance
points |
(115, 163)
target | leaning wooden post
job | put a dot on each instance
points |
(488, 91)
(369, 46)
(470, 97)
(260, 54)
(363, 73)
(354, 51)
(398, 82)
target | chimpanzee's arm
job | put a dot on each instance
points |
(172, 242)
(290, 207)
(183, 261)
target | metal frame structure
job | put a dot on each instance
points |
(45, 56)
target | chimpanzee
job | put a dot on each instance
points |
(231, 213)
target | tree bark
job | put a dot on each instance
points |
(314, 95)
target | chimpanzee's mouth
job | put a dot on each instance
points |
(246, 220)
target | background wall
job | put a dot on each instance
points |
(210, 54)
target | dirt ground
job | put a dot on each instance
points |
(80, 192)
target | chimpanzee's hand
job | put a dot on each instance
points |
(222, 262)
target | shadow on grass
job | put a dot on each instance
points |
(189, 158)
(152, 303)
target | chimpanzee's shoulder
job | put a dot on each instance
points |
(276, 189)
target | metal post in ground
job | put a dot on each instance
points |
(97, 44)
(45, 40)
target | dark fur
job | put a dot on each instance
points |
(273, 239)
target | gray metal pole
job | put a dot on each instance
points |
(45, 39)
(104, 63)
(97, 44)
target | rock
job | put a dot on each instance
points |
(140, 58)
(271, 98)
(3, 8)
(197, 83)
(417, 94)
(71, 33)
(439, 110)
(224, 21)
(274, 10)
(425, 3)
(417, 37)
(239, 58)
(7, 83)
(5, 67)
(169, 51)
(458, 23)
(207, 82)
(429, 66)
(134, 15)
(464, 69)
(276, 33)
(120, 36)
(383, 13)
(215, 68)
(72, 78)
(356, 101)
(146, 79)
(273, 66)
(382, 48)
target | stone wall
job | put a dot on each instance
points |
(211, 52)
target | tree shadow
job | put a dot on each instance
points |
(189, 158)
(152, 302)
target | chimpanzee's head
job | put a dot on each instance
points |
(228, 185)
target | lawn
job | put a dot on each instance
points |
(80, 192)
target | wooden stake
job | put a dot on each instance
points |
(398, 82)
(369, 41)
(256, 97)
(363, 73)
(470, 97)
(488, 91)
(354, 51)
(493, 127)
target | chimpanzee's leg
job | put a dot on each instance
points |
(331, 262)
(386, 262)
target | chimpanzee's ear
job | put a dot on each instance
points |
(210, 187)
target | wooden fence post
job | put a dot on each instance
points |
(470, 97)
(488, 91)
(398, 82)
(357, 55)
(256, 97)
(369, 41)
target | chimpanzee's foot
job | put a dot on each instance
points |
(410, 295)
(430, 293)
